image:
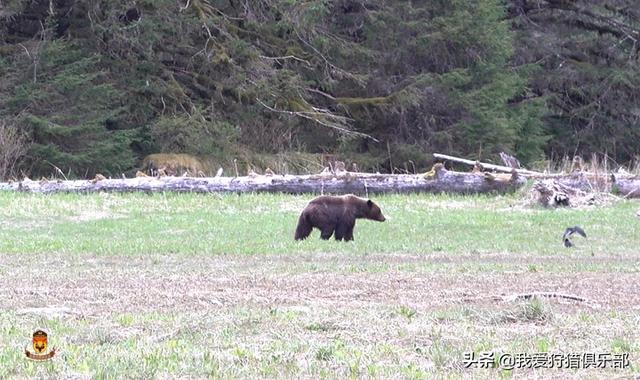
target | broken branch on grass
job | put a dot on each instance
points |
(528, 296)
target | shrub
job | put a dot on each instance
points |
(13, 146)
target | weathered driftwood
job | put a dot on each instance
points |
(553, 194)
(509, 160)
(627, 186)
(498, 168)
(578, 179)
(585, 181)
(437, 181)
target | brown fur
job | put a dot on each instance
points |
(336, 214)
(172, 164)
(98, 177)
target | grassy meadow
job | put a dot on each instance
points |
(214, 286)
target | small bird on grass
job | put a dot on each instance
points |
(570, 231)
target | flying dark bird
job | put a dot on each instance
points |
(570, 231)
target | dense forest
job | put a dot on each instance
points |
(91, 86)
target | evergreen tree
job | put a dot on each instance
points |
(97, 85)
(71, 112)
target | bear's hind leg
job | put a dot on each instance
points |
(326, 232)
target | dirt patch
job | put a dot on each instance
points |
(90, 215)
(96, 285)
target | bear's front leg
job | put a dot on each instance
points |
(340, 231)
(344, 230)
(349, 235)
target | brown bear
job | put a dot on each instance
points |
(336, 214)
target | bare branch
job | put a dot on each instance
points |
(326, 61)
(334, 121)
(287, 57)
(320, 93)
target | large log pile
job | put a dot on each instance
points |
(576, 188)
(573, 189)
(583, 188)
(439, 180)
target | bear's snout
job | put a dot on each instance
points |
(381, 218)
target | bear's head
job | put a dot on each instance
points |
(374, 212)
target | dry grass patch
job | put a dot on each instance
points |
(231, 317)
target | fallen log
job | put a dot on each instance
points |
(438, 180)
(629, 187)
(584, 181)
(498, 168)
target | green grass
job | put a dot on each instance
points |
(214, 286)
(193, 224)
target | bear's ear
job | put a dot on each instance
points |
(369, 203)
